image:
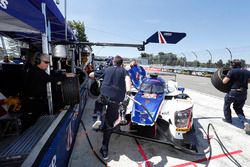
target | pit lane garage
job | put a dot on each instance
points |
(16, 146)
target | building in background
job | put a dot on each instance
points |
(11, 47)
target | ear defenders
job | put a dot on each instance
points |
(37, 58)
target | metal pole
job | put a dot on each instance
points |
(4, 47)
(45, 48)
(72, 52)
(65, 10)
(231, 56)
(138, 46)
(210, 55)
(185, 59)
(195, 57)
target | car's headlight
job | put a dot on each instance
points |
(183, 119)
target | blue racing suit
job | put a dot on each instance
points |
(137, 74)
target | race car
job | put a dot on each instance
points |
(161, 110)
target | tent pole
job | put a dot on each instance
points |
(66, 24)
(3, 44)
(45, 50)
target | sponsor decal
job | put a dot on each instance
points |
(69, 137)
(149, 95)
(53, 162)
(167, 34)
(4, 4)
(144, 115)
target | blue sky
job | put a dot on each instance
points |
(209, 24)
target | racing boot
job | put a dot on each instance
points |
(98, 121)
(247, 127)
(104, 154)
(245, 123)
(226, 120)
(94, 115)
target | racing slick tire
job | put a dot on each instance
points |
(71, 91)
(217, 78)
(94, 88)
(162, 129)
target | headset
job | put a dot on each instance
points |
(37, 58)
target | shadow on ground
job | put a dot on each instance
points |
(157, 154)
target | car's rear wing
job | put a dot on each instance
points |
(171, 74)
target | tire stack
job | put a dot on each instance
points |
(71, 91)
(217, 78)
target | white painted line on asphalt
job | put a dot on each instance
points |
(247, 106)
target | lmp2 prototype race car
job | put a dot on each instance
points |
(160, 111)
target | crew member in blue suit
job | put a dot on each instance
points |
(137, 74)
(113, 91)
(239, 78)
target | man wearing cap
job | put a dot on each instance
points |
(239, 79)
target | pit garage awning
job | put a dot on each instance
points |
(23, 20)
(20, 16)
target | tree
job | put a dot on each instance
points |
(219, 64)
(147, 56)
(182, 61)
(172, 59)
(228, 63)
(243, 62)
(209, 63)
(79, 29)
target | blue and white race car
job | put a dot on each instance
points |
(161, 110)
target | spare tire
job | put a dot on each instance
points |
(71, 91)
(217, 78)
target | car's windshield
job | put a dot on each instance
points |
(152, 87)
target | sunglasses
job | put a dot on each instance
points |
(46, 62)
